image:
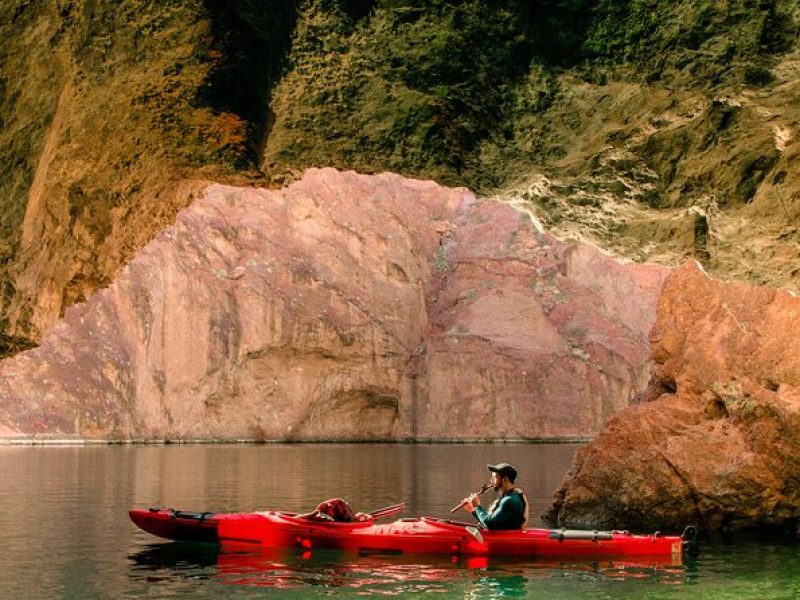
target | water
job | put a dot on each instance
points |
(66, 534)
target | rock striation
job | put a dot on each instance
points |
(343, 307)
(718, 445)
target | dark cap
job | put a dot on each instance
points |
(504, 470)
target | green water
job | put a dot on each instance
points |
(66, 534)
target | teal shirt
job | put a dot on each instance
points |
(507, 513)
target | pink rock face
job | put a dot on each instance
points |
(718, 447)
(343, 307)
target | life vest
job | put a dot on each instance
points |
(524, 499)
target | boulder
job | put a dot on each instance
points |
(718, 444)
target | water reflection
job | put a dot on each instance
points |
(478, 577)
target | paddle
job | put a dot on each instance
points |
(387, 511)
(484, 488)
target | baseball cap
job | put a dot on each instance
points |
(504, 470)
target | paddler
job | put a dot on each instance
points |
(509, 510)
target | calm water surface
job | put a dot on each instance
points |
(66, 533)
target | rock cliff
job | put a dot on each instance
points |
(717, 445)
(343, 307)
(656, 129)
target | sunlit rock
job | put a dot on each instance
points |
(718, 444)
(343, 307)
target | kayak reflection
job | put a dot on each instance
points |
(275, 568)
(382, 574)
(175, 560)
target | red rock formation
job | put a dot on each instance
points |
(719, 446)
(531, 337)
(343, 307)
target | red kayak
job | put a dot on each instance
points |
(426, 535)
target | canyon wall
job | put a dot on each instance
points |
(717, 444)
(344, 307)
(656, 129)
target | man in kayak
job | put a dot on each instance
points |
(510, 510)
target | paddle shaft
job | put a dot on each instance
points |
(387, 510)
(484, 488)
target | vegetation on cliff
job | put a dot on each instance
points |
(658, 129)
(461, 91)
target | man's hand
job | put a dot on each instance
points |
(471, 502)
